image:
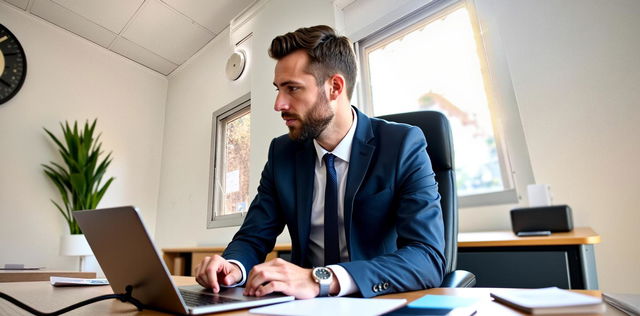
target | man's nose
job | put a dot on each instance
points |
(282, 103)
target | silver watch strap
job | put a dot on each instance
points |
(324, 288)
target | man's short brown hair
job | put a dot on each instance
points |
(328, 53)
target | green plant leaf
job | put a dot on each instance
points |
(55, 139)
(78, 178)
(64, 214)
(102, 190)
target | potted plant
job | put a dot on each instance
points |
(78, 179)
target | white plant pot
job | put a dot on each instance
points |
(76, 245)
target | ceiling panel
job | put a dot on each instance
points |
(66, 19)
(166, 32)
(22, 4)
(141, 55)
(214, 15)
(111, 14)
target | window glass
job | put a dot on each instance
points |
(236, 163)
(434, 65)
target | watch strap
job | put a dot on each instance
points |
(324, 288)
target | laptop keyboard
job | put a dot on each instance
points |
(200, 299)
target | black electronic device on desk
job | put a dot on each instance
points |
(541, 220)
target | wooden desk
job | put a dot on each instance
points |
(44, 297)
(497, 258)
(501, 259)
(40, 275)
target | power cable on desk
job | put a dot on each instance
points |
(126, 297)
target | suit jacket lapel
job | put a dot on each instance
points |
(305, 172)
(361, 153)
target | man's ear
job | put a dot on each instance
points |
(336, 86)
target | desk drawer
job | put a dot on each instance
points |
(519, 269)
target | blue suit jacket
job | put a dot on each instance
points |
(393, 221)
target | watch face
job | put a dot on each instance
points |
(322, 273)
(13, 65)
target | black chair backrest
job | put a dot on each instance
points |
(435, 127)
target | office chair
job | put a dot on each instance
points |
(435, 127)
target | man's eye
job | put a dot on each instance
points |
(293, 89)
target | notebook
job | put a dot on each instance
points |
(550, 300)
(628, 303)
(127, 256)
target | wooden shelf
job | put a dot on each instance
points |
(579, 236)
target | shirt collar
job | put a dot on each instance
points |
(343, 150)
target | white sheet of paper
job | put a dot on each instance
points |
(233, 181)
(332, 306)
(64, 281)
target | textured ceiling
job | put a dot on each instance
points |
(159, 34)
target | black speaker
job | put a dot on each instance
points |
(555, 218)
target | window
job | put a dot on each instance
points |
(229, 187)
(432, 61)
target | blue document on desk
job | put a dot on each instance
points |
(439, 305)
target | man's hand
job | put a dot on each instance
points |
(279, 275)
(215, 270)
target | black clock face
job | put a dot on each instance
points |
(322, 274)
(13, 65)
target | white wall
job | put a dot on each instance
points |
(575, 75)
(197, 90)
(69, 78)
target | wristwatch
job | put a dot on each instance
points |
(322, 276)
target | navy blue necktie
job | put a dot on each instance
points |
(331, 244)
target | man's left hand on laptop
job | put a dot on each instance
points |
(278, 275)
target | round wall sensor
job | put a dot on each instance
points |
(235, 65)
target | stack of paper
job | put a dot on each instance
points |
(549, 301)
(64, 281)
(14, 266)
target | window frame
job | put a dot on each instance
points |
(515, 165)
(238, 107)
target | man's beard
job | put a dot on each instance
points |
(318, 117)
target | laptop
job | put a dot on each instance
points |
(127, 256)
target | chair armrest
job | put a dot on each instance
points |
(459, 278)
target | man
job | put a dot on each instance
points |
(358, 194)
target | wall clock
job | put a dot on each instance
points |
(13, 65)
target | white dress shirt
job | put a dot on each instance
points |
(316, 235)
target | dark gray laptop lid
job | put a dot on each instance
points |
(127, 256)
